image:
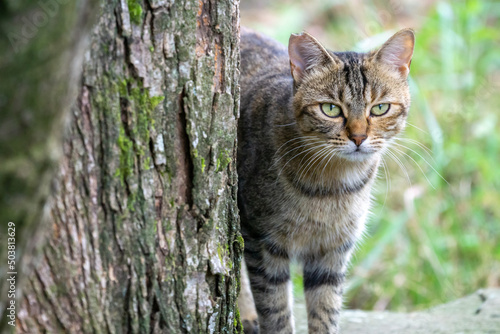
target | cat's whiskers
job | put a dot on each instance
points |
(416, 163)
(309, 158)
(427, 150)
(416, 127)
(400, 164)
(387, 180)
(302, 152)
(302, 138)
(306, 156)
(319, 156)
(296, 138)
(423, 147)
(294, 148)
(419, 144)
(307, 142)
(281, 125)
(332, 153)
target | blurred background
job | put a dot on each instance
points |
(434, 232)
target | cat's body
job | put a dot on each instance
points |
(305, 177)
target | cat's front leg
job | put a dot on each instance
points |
(246, 304)
(323, 286)
(268, 269)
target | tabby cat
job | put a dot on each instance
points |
(313, 126)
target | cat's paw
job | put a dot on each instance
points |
(246, 305)
(250, 326)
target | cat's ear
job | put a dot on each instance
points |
(397, 51)
(305, 53)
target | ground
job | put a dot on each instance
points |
(478, 313)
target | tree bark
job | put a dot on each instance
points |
(41, 53)
(144, 231)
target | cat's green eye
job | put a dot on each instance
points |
(330, 109)
(380, 109)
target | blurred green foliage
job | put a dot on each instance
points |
(434, 232)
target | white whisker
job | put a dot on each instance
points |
(293, 149)
(302, 152)
(406, 154)
(319, 154)
(333, 152)
(400, 164)
(280, 125)
(426, 161)
(422, 146)
(305, 138)
(387, 180)
(416, 163)
(416, 127)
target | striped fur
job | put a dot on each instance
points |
(305, 178)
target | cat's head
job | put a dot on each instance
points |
(356, 102)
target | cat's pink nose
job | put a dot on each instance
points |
(357, 138)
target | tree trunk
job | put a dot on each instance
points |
(41, 53)
(144, 231)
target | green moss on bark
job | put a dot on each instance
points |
(135, 11)
(139, 192)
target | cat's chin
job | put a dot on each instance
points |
(358, 156)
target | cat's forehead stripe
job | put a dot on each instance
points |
(354, 80)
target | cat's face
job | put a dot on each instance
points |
(354, 102)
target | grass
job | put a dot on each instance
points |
(437, 238)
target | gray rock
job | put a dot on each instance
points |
(477, 313)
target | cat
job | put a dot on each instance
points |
(313, 126)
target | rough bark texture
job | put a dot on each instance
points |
(41, 48)
(144, 234)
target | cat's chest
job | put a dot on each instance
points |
(317, 224)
